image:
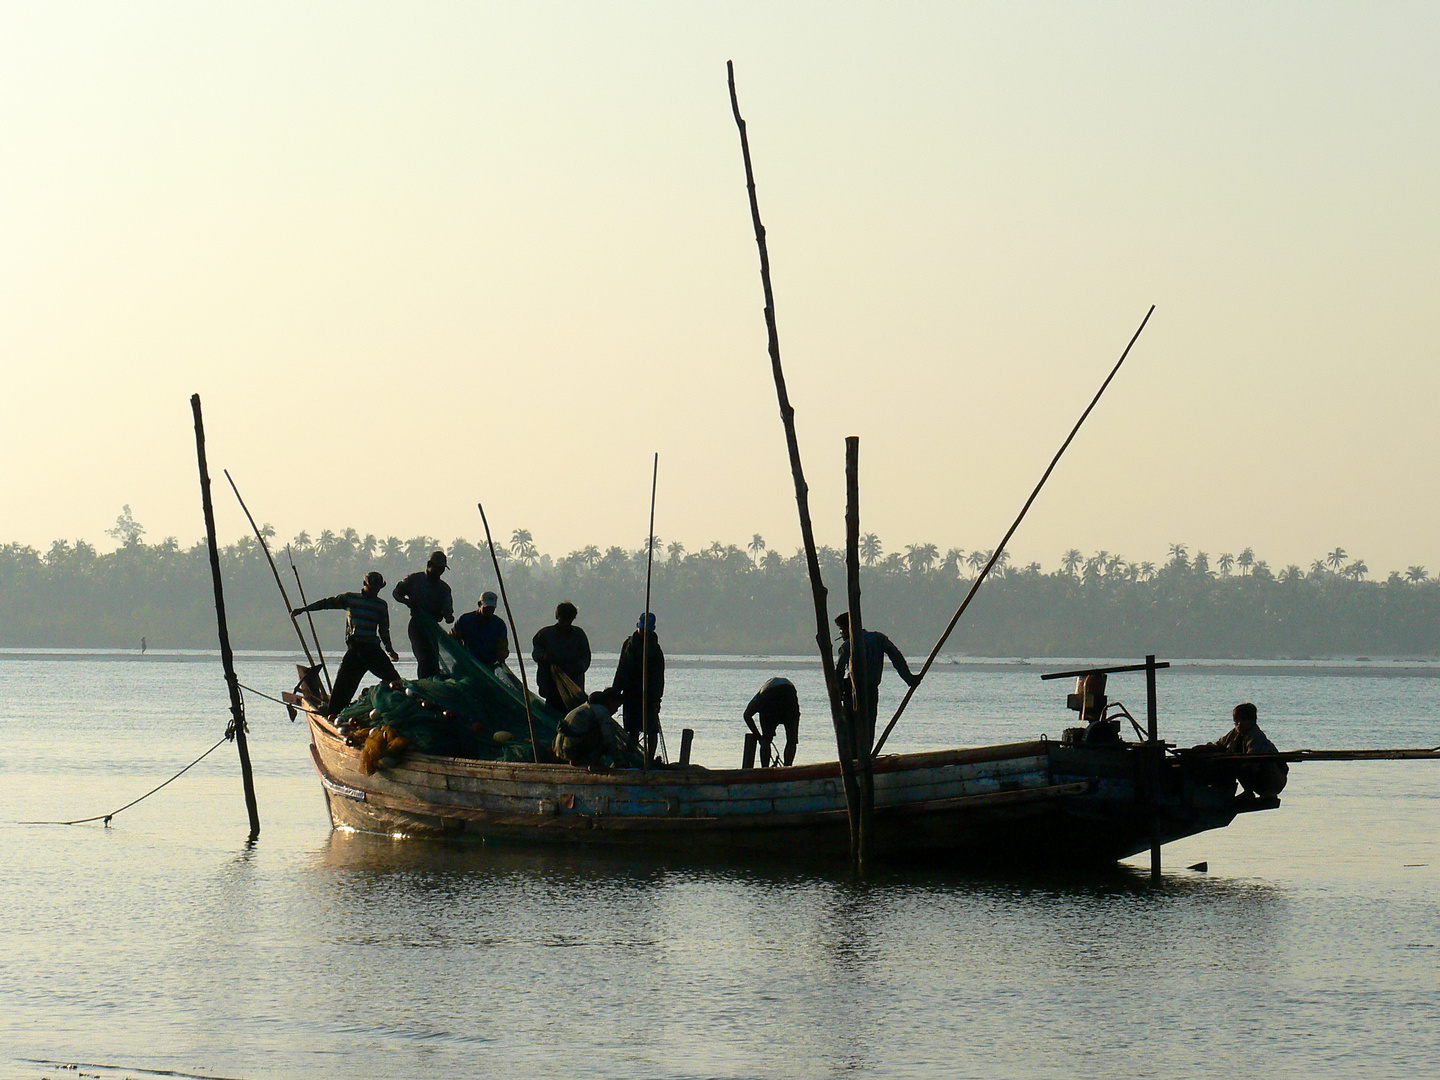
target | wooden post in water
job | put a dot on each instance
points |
(1157, 762)
(227, 658)
(862, 722)
(802, 490)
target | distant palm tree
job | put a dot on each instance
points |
(654, 542)
(1225, 562)
(1132, 571)
(1202, 564)
(1357, 570)
(589, 555)
(1113, 564)
(950, 565)
(676, 551)
(1416, 574)
(325, 545)
(1317, 568)
(1291, 573)
(921, 557)
(522, 545)
(870, 549)
(368, 545)
(894, 563)
(1246, 560)
(1032, 568)
(1072, 560)
(1336, 559)
(756, 546)
(1179, 554)
(419, 547)
(351, 541)
(977, 559)
(302, 541)
(1147, 571)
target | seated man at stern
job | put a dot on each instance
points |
(1260, 779)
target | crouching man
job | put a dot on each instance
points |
(589, 732)
(1260, 779)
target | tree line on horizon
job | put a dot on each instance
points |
(727, 598)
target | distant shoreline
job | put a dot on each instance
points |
(1375, 668)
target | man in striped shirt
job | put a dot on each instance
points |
(367, 628)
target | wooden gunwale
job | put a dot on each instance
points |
(581, 821)
(524, 772)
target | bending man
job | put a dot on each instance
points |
(778, 705)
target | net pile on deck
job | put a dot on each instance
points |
(470, 710)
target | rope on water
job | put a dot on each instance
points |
(229, 734)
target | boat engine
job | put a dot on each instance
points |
(1089, 701)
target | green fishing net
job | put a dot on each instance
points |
(461, 712)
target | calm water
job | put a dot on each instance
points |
(1311, 947)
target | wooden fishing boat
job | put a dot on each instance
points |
(1035, 802)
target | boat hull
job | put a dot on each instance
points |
(1020, 802)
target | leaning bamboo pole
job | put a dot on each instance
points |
(1000, 548)
(647, 736)
(802, 490)
(519, 652)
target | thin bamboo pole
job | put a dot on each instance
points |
(802, 490)
(227, 658)
(519, 652)
(646, 735)
(305, 602)
(862, 724)
(289, 609)
(999, 550)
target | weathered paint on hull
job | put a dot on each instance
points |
(1024, 801)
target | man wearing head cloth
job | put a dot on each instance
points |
(367, 629)
(483, 633)
(423, 591)
(641, 678)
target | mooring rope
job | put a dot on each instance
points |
(106, 817)
(261, 693)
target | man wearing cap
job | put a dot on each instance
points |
(367, 628)
(423, 591)
(641, 678)
(483, 633)
(561, 652)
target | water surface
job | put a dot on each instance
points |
(166, 943)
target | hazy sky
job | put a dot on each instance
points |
(415, 255)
